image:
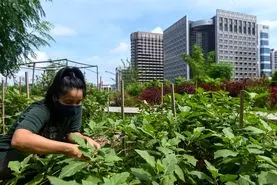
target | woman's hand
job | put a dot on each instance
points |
(93, 143)
(74, 151)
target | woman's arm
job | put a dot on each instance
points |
(88, 139)
(26, 141)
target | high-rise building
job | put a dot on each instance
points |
(202, 33)
(264, 65)
(147, 55)
(232, 35)
(273, 59)
(176, 43)
(236, 42)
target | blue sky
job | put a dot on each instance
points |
(98, 31)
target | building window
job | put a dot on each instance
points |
(264, 42)
(265, 58)
(244, 27)
(253, 29)
(240, 26)
(231, 25)
(264, 35)
(225, 24)
(265, 50)
(265, 66)
(249, 28)
(221, 24)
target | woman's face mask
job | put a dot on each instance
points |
(69, 104)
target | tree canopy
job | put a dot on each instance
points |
(22, 29)
(206, 67)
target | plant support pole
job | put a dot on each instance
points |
(122, 98)
(3, 106)
(162, 94)
(241, 108)
(33, 76)
(173, 101)
(27, 85)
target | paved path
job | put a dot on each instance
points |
(269, 116)
(129, 110)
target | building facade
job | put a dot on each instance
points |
(202, 33)
(273, 59)
(232, 35)
(236, 42)
(147, 55)
(176, 43)
(264, 64)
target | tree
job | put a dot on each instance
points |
(221, 70)
(21, 31)
(196, 62)
(211, 58)
(129, 73)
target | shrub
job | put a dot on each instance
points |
(261, 100)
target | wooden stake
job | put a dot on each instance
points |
(173, 101)
(241, 108)
(27, 84)
(162, 94)
(122, 99)
(3, 106)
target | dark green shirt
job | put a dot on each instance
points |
(38, 119)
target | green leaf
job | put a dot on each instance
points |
(255, 151)
(154, 183)
(245, 180)
(267, 159)
(228, 177)
(190, 159)
(92, 180)
(14, 166)
(117, 179)
(141, 174)
(37, 180)
(254, 130)
(168, 180)
(212, 169)
(228, 133)
(169, 162)
(164, 150)
(224, 153)
(269, 177)
(230, 183)
(57, 181)
(148, 158)
(80, 141)
(266, 126)
(179, 172)
(201, 176)
(72, 168)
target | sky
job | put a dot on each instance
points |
(97, 32)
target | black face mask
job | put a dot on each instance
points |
(62, 110)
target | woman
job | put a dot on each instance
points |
(45, 126)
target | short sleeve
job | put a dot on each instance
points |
(75, 124)
(34, 119)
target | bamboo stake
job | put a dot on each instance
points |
(241, 107)
(173, 101)
(3, 106)
(162, 94)
(27, 85)
(122, 99)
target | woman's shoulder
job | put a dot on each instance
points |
(39, 106)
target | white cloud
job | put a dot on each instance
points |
(123, 47)
(40, 56)
(271, 23)
(157, 30)
(63, 31)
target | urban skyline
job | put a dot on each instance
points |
(97, 32)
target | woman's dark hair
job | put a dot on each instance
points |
(65, 79)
